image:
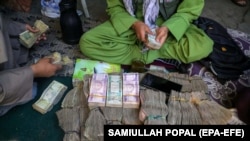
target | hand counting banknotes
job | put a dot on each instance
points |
(28, 38)
(50, 96)
(152, 43)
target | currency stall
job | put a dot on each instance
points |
(86, 109)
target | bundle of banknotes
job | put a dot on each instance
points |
(50, 96)
(98, 90)
(152, 43)
(28, 39)
(114, 90)
(130, 90)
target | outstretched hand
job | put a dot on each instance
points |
(45, 68)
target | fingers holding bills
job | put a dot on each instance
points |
(29, 37)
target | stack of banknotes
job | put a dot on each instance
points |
(98, 90)
(28, 39)
(131, 89)
(152, 43)
(114, 92)
(50, 96)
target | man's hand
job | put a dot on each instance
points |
(159, 37)
(45, 68)
(35, 30)
(161, 34)
(141, 30)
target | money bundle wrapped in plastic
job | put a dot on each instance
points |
(130, 116)
(93, 129)
(75, 97)
(28, 38)
(174, 114)
(130, 90)
(190, 114)
(211, 112)
(153, 107)
(50, 96)
(114, 92)
(98, 90)
(68, 119)
(189, 83)
(113, 115)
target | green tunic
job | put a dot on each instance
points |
(114, 41)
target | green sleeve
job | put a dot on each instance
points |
(119, 17)
(187, 11)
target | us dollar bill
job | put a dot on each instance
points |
(50, 96)
(152, 43)
(28, 38)
(41, 26)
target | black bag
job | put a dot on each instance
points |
(227, 61)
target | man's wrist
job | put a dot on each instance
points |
(34, 70)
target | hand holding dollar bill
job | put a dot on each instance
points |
(28, 38)
(152, 43)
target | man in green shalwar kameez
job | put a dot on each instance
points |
(121, 39)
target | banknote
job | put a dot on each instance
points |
(98, 84)
(131, 101)
(41, 26)
(130, 90)
(58, 58)
(95, 101)
(152, 43)
(158, 68)
(28, 38)
(130, 84)
(98, 90)
(50, 96)
(114, 92)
